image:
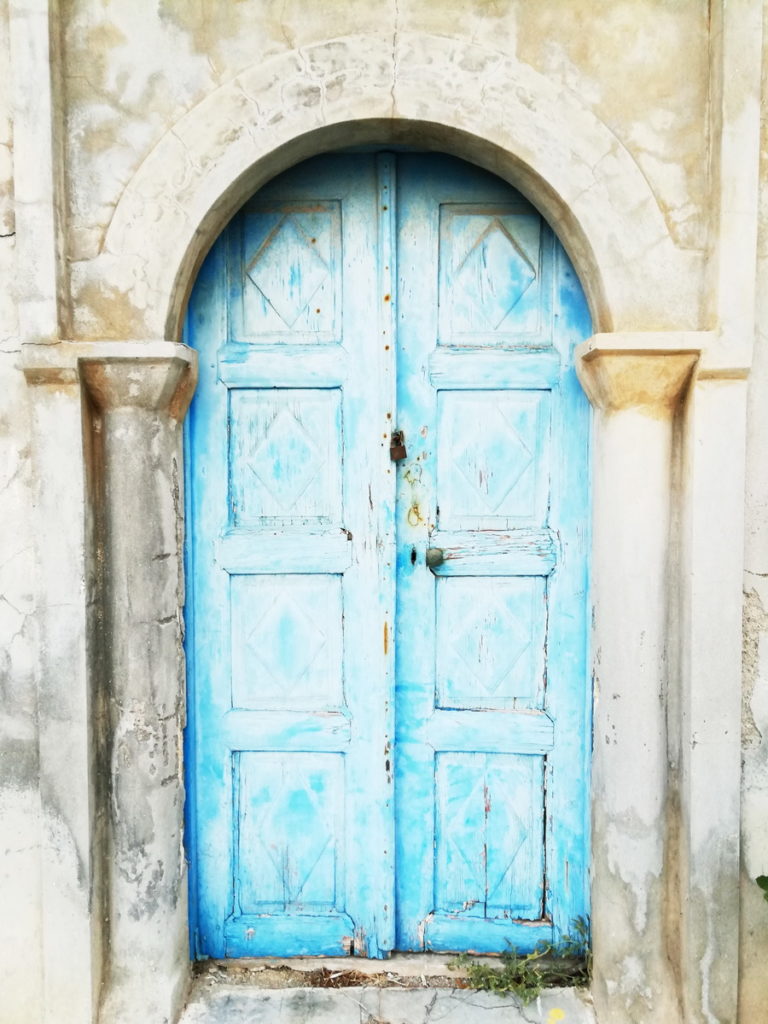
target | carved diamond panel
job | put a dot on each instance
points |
(490, 482)
(493, 458)
(489, 853)
(285, 456)
(495, 274)
(489, 274)
(286, 642)
(290, 823)
(286, 460)
(288, 270)
(291, 271)
(490, 642)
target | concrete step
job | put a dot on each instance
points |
(223, 1002)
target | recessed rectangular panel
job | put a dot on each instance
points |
(490, 644)
(490, 279)
(489, 848)
(286, 642)
(289, 822)
(290, 269)
(285, 457)
(493, 459)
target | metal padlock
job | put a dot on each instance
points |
(397, 450)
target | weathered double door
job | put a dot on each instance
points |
(389, 713)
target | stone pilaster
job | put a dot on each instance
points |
(111, 491)
(137, 403)
(635, 384)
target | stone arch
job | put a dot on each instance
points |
(494, 111)
(436, 92)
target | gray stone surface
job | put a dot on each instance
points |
(239, 1004)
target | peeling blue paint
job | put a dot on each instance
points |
(307, 556)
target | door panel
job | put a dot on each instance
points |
(484, 699)
(288, 262)
(285, 452)
(489, 642)
(489, 850)
(290, 826)
(292, 598)
(359, 626)
(492, 458)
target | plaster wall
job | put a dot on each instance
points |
(20, 973)
(126, 136)
(754, 831)
(123, 93)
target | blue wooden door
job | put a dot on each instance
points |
(389, 731)
(492, 724)
(292, 569)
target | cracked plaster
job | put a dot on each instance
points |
(19, 804)
(753, 988)
(237, 1005)
(132, 72)
(447, 94)
(120, 107)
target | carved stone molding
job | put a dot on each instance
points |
(149, 384)
(647, 371)
(157, 375)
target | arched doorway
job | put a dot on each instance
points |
(388, 534)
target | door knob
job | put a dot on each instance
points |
(435, 557)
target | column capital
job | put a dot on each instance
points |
(153, 375)
(646, 371)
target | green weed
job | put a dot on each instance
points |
(565, 962)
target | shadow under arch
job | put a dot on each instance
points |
(421, 135)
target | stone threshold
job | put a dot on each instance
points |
(408, 988)
(401, 970)
(227, 1003)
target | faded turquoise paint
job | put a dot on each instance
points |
(381, 754)
(291, 686)
(493, 725)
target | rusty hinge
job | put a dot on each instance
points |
(397, 450)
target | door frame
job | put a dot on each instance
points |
(666, 649)
(567, 862)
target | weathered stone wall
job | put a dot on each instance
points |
(133, 70)
(661, 93)
(20, 939)
(754, 833)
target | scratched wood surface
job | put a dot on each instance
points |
(492, 727)
(383, 755)
(291, 593)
